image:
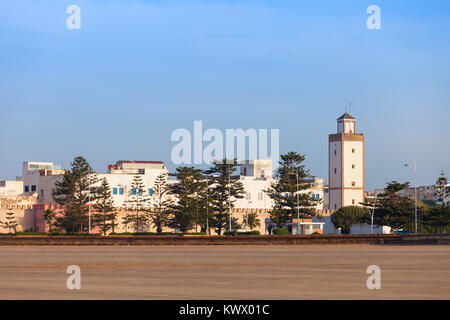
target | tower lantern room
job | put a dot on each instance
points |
(346, 124)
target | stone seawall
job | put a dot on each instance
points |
(222, 240)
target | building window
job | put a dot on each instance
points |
(33, 188)
(260, 196)
(42, 193)
(353, 150)
(317, 196)
(120, 190)
(133, 191)
(141, 171)
(150, 191)
(353, 201)
(335, 171)
(353, 183)
(335, 206)
(353, 166)
(140, 191)
(27, 188)
(114, 190)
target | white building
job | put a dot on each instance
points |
(346, 164)
(39, 179)
(256, 177)
(120, 178)
(11, 188)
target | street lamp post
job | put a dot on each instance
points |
(207, 206)
(415, 193)
(89, 204)
(373, 214)
(229, 196)
(298, 206)
(246, 218)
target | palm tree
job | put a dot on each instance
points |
(10, 222)
(253, 220)
(48, 217)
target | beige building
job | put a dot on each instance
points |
(346, 164)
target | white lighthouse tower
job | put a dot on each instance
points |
(346, 164)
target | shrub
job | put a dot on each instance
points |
(30, 233)
(280, 231)
(245, 233)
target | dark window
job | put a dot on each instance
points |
(33, 188)
(335, 171)
(353, 166)
(120, 190)
(334, 152)
(353, 150)
(141, 171)
(27, 188)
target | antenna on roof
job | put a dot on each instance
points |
(349, 106)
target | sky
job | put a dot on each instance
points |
(138, 70)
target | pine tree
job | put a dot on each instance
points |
(394, 209)
(440, 189)
(292, 177)
(138, 206)
(160, 214)
(74, 192)
(10, 223)
(223, 193)
(105, 214)
(190, 208)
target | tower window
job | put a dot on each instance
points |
(335, 171)
(353, 166)
(353, 150)
(353, 183)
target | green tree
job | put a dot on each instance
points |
(190, 208)
(292, 176)
(160, 214)
(435, 220)
(346, 216)
(394, 209)
(74, 192)
(138, 206)
(223, 192)
(49, 217)
(253, 220)
(105, 214)
(11, 223)
(440, 188)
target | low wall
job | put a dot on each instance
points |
(221, 240)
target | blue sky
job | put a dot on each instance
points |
(137, 70)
